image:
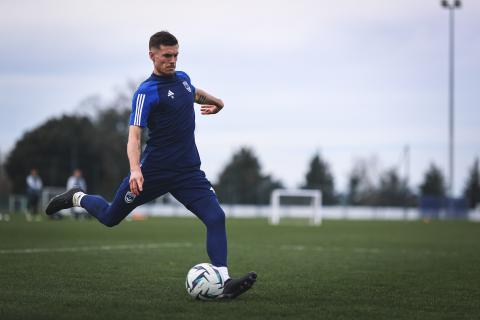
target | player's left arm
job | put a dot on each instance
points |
(210, 104)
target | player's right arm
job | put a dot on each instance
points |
(133, 152)
(142, 102)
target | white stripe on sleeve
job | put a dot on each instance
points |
(142, 100)
(138, 111)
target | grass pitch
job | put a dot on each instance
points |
(341, 270)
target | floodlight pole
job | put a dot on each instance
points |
(451, 6)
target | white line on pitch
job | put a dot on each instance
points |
(98, 248)
(364, 250)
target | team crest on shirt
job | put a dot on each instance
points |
(129, 197)
(185, 84)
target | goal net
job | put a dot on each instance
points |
(314, 212)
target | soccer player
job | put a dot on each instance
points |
(170, 162)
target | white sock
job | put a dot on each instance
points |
(77, 197)
(224, 273)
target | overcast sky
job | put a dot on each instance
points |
(349, 79)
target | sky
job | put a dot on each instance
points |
(348, 79)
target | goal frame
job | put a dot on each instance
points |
(316, 203)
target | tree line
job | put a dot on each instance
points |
(96, 143)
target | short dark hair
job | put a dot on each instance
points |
(162, 38)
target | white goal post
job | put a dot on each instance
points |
(316, 203)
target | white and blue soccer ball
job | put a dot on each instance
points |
(204, 282)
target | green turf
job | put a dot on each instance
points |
(341, 270)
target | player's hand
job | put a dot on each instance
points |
(136, 181)
(209, 109)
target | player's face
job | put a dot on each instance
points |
(164, 59)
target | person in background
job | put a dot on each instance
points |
(76, 180)
(34, 190)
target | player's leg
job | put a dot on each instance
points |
(123, 203)
(197, 194)
(208, 210)
(108, 214)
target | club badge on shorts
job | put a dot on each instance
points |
(129, 197)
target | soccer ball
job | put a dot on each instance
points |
(204, 282)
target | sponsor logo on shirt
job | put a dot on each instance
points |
(171, 94)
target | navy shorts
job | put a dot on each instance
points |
(186, 185)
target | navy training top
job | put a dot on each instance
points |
(164, 104)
